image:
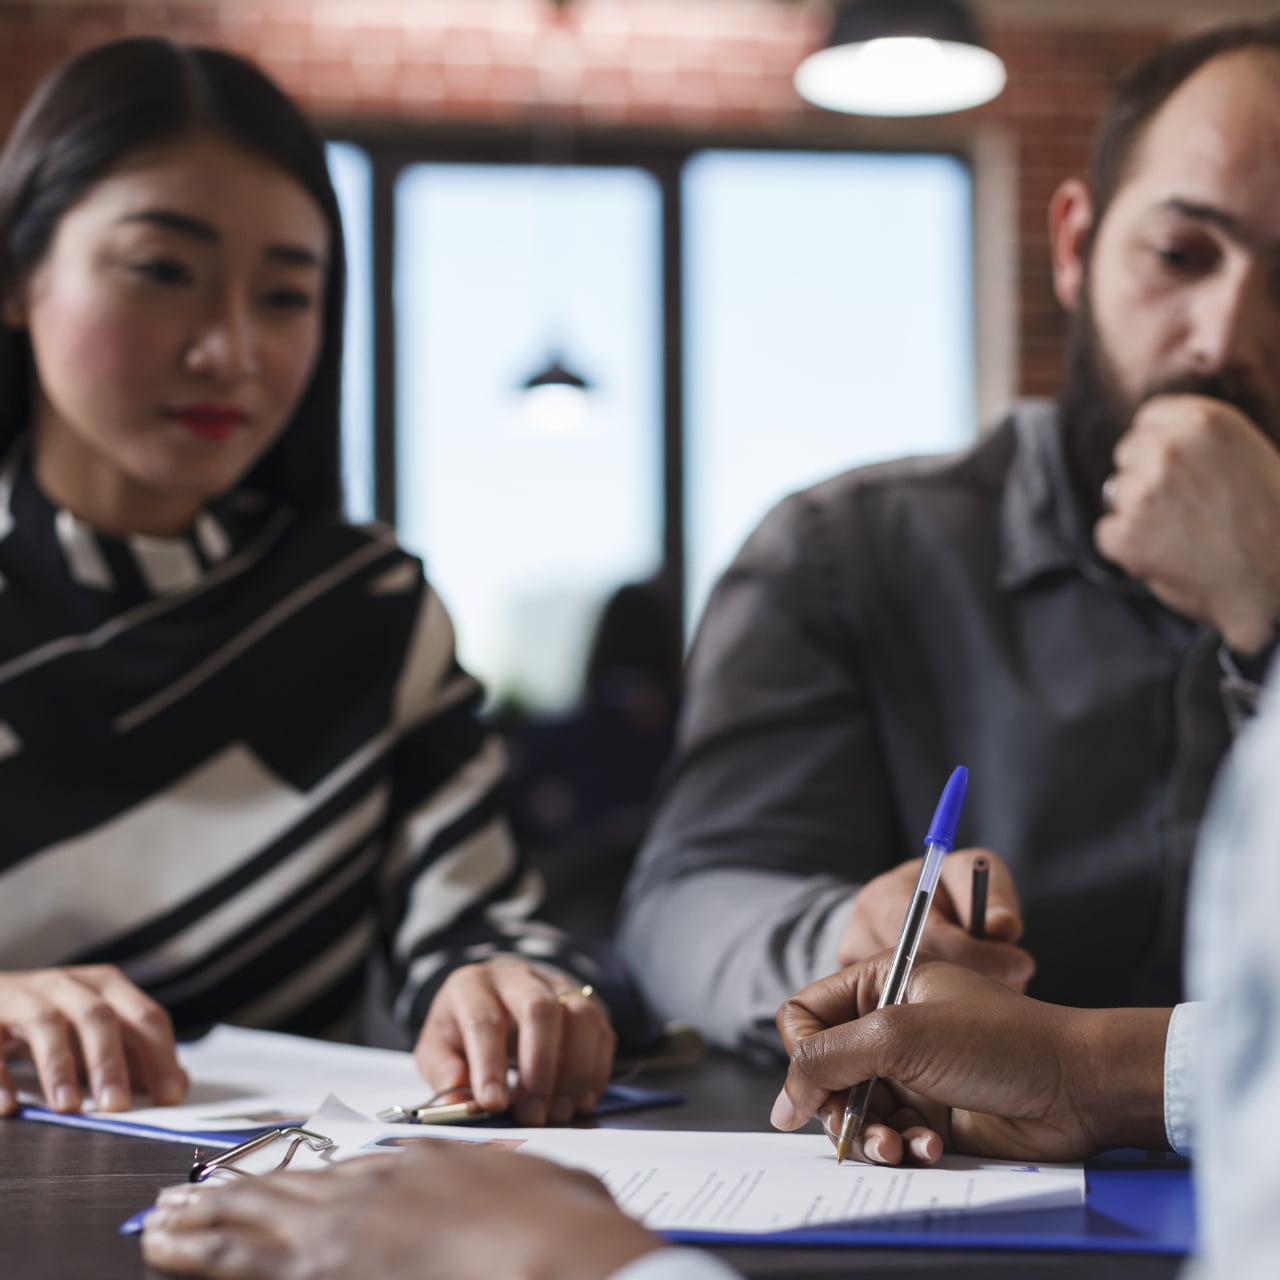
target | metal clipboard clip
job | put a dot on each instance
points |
(449, 1106)
(225, 1161)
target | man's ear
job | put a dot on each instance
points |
(1070, 221)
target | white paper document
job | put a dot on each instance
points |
(243, 1080)
(748, 1183)
(757, 1182)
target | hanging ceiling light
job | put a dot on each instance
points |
(901, 58)
(555, 399)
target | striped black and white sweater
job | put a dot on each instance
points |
(235, 761)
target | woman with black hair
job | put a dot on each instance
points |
(236, 749)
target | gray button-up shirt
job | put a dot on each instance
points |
(875, 631)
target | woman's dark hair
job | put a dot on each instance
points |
(87, 117)
(1145, 89)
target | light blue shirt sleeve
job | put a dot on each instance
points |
(677, 1264)
(1233, 956)
(1180, 1054)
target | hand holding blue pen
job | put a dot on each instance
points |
(938, 842)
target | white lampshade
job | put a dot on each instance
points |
(901, 58)
(556, 400)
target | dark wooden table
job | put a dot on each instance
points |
(64, 1193)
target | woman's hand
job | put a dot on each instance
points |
(506, 1009)
(442, 1209)
(89, 1024)
(968, 1065)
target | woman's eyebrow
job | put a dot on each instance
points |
(172, 220)
(295, 255)
(198, 229)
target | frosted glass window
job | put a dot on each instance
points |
(829, 313)
(526, 532)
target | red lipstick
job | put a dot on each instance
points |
(210, 421)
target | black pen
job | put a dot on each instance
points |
(978, 898)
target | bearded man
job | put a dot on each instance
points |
(1080, 609)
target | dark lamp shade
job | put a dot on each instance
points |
(901, 58)
(556, 375)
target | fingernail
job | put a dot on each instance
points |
(562, 1109)
(157, 1220)
(830, 1125)
(920, 1147)
(873, 1149)
(67, 1098)
(176, 1196)
(113, 1097)
(587, 1103)
(8, 1102)
(783, 1115)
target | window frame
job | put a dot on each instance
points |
(391, 151)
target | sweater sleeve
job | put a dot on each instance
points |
(454, 888)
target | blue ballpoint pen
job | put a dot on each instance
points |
(942, 831)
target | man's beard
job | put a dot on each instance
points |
(1096, 412)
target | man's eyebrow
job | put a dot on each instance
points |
(292, 254)
(1227, 223)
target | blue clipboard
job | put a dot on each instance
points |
(1136, 1202)
(615, 1098)
(115, 1122)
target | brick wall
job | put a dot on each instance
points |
(675, 65)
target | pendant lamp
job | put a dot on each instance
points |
(901, 58)
(555, 399)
